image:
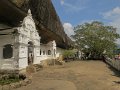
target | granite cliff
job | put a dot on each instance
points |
(47, 21)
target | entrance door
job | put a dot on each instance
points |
(30, 53)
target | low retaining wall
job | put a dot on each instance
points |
(114, 63)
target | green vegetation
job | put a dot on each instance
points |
(117, 51)
(95, 39)
(68, 54)
(7, 79)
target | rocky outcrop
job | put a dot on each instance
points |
(47, 21)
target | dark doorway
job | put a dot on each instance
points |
(49, 52)
(30, 53)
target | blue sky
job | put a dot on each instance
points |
(74, 12)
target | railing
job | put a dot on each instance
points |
(114, 63)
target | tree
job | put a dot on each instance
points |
(95, 39)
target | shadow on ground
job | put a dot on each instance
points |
(116, 73)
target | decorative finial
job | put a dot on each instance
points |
(29, 13)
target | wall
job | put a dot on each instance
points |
(59, 51)
(47, 20)
(45, 47)
(113, 63)
(28, 35)
(20, 38)
(4, 40)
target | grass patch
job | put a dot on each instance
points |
(8, 79)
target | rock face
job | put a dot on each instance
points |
(44, 12)
(47, 21)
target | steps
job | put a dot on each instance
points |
(38, 67)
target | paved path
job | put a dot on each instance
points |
(78, 75)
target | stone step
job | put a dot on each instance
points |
(38, 67)
(7, 67)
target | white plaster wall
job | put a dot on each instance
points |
(8, 39)
(37, 60)
(59, 51)
(43, 47)
(23, 63)
(23, 60)
(23, 51)
(28, 33)
(1, 52)
(5, 39)
(50, 46)
(37, 56)
(6, 63)
(1, 55)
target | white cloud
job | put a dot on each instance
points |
(68, 29)
(114, 17)
(87, 21)
(62, 2)
(112, 14)
(72, 6)
(116, 23)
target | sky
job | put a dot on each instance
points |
(75, 12)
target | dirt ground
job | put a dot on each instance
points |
(76, 75)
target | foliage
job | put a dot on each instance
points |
(117, 51)
(95, 39)
(13, 78)
(8, 81)
(68, 53)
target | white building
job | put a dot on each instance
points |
(48, 51)
(20, 46)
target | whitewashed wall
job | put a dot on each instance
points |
(59, 51)
(4, 40)
(28, 33)
(44, 49)
(50, 46)
(24, 34)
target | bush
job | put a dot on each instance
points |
(68, 54)
(12, 78)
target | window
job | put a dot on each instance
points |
(43, 52)
(7, 51)
(49, 52)
(54, 51)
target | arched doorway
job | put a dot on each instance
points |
(30, 53)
